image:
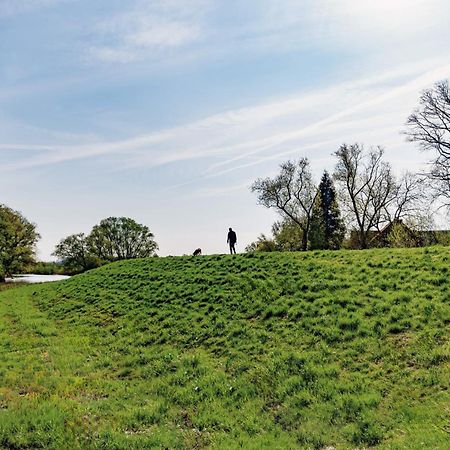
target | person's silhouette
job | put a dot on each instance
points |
(232, 239)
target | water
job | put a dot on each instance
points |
(32, 278)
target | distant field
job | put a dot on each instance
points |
(345, 349)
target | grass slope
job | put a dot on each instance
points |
(295, 350)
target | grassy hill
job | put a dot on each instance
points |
(296, 350)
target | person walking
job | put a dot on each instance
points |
(231, 240)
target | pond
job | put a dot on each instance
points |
(32, 278)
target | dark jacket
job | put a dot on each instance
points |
(232, 239)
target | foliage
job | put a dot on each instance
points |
(18, 237)
(401, 236)
(327, 226)
(113, 239)
(429, 125)
(280, 350)
(262, 244)
(292, 193)
(441, 237)
(287, 237)
(117, 238)
(75, 253)
(47, 268)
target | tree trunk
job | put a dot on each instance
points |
(305, 241)
(362, 240)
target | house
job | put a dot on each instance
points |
(398, 234)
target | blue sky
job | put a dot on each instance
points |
(166, 111)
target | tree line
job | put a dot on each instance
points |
(363, 195)
(368, 196)
(113, 239)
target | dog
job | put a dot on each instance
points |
(198, 252)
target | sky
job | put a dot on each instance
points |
(166, 111)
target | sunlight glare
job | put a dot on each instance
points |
(395, 14)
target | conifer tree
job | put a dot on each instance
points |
(327, 226)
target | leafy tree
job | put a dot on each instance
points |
(118, 238)
(327, 226)
(400, 235)
(112, 239)
(18, 237)
(262, 244)
(287, 237)
(47, 268)
(292, 193)
(73, 251)
(429, 125)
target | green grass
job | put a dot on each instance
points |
(6, 286)
(348, 349)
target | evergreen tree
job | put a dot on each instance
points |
(327, 226)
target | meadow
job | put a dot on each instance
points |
(330, 349)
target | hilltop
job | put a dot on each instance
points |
(347, 349)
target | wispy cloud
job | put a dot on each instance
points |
(235, 139)
(13, 7)
(89, 91)
(335, 23)
(148, 30)
(171, 32)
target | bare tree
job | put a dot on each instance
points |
(410, 200)
(292, 193)
(367, 187)
(429, 125)
(372, 195)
